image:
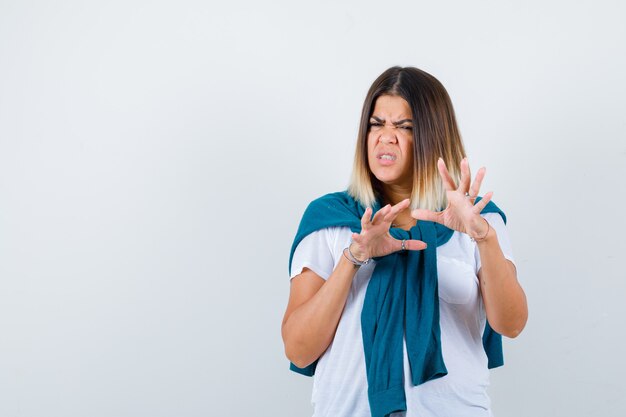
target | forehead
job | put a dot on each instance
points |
(391, 107)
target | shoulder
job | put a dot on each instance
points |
(330, 201)
(495, 219)
(334, 209)
(319, 251)
(492, 208)
(327, 236)
(330, 210)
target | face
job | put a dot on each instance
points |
(390, 141)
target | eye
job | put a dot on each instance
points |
(375, 124)
(409, 128)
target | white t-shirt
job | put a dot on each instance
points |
(340, 381)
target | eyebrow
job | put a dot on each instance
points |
(399, 122)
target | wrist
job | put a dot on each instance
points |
(356, 252)
(354, 259)
(483, 234)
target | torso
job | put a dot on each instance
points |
(340, 382)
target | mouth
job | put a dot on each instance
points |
(386, 157)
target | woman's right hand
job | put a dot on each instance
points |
(375, 240)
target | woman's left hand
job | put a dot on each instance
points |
(461, 214)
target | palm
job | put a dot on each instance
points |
(375, 240)
(383, 245)
(461, 214)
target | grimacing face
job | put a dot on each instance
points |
(390, 141)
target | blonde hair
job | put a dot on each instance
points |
(435, 135)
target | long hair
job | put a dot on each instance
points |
(435, 135)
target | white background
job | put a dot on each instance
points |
(156, 157)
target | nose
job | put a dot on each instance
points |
(388, 136)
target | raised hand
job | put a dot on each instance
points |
(461, 214)
(375, 240)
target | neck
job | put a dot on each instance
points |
(393, 194)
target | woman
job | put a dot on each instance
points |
(402, 286)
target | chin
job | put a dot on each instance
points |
(388, 178)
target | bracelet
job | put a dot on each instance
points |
(350, 257)
(484, 237)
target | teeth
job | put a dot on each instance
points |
(388, 157)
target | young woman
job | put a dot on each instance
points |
(402, 285)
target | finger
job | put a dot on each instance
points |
(401, 205)
(475, 188)
(414, 245)
(380, 214)
(396, 209)
(366, 219)
(478, 207)
(448, 182)
(466, 176)
(428, 215)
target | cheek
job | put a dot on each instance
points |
(408, 153)
(371, 145)
(408, 145)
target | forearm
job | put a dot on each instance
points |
(310, 328)
(504, 299)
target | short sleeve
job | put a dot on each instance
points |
(496, 222)
(314, 252)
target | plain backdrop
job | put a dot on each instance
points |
(156, 157)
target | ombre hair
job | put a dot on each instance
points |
(435, 135)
